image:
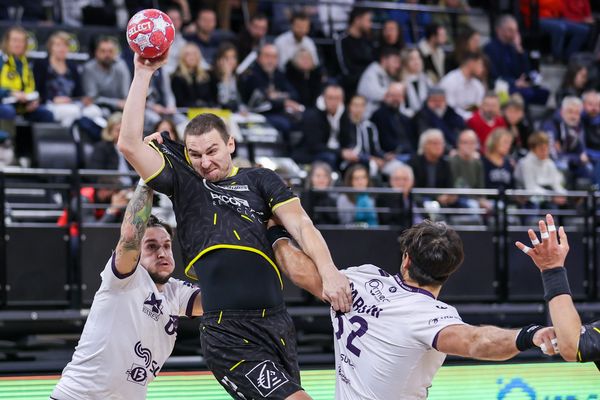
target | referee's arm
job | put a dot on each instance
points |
(133, 227)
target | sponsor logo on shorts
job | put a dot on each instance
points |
(153, 306)
(266, 378)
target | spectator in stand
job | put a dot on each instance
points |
(354, 50)
(389, 36)
(497, 166)
(591, 125)
(206, 36)
(429, 166)
(361, 141)
(191, 82)
(468, 41)
(402, 180)
(106, 78)
(511, 63)
(517, 124)
(432, 51)
(396, 131)
(437, 114)
(106, 155)
(253, 36)
(537, 172)
(467, 170)
(17, 83)
(178, 42)
(334, 17)
(412, 22)
(357, 208)
(161, 102)
(320, 178)
(456, 20)
(59, 83)
(378, 76)
(265, 89)
(575, 81)
(416, 81)
(223, 78)
(487, 118)
(296, 38)
(167, 124)
(566, 133)
(464, 90)
(322, 130)
(553, 22)
(305, 76)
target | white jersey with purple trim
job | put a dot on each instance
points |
(129, 334)
(385, 346)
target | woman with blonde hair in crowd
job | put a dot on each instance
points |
(18, 93)
(190, 81)
(497, 166)
(415, 79)
(105, 154)
(59, 82)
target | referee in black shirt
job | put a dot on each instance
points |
(247, 336)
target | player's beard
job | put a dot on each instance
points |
(158, 278)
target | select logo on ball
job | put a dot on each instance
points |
(150, 33)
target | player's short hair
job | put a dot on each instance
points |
(205, 123)
(155, 222)
(435, 251)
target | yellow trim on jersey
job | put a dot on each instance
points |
(276, 206)
(597, 330)
(215, 219)
(246, 217)
(282, 341)
(264, 310)
(233, 172)
(232, 247)
(236, 235)
(187, 156)
(246, 341)
(220, 316)
(154, 175)
(578, 355)
(236, 365)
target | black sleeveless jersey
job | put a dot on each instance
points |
(228, 214)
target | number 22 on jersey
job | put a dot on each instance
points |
(361, 328)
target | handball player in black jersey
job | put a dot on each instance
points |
(246, 334)
(576, 342)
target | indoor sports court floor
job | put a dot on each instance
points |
(541, 381)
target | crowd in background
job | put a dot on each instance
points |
(424, 101)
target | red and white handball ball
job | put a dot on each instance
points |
(150, 33)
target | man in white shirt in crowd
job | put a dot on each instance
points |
(288, 43)
(132, 326)
(463, 87)
(396, 337)
(377, 78)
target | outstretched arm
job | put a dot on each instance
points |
(549, 256)
(143, 158)
(487, 342)
(133, 227)
(336, 288)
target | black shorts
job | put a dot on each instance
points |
(252, 353)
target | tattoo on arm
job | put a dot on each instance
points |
(136, 217)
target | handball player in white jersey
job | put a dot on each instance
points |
(396, 337)
(132, 325)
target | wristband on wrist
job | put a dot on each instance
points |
(277, 232)
(524, 339)
(555, 283)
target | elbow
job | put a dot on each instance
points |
(568, 352)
